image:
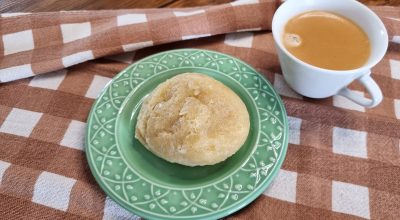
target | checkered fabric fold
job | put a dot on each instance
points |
(343, 160)
(43, 42)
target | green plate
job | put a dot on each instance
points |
(153, 188)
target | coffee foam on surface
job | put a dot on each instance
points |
(292, 40)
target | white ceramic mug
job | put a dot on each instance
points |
(315, 82)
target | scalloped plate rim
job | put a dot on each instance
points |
(217, 214)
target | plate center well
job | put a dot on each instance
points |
(157, 170)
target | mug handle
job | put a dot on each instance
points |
(372, 88)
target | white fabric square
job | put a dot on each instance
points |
(18, 42)
(393, 18)
(7, 15)
(397, 108)
(342, 102)
(3, 167)
(136, 46)
(20, 122)
(244, 2)
(53, 190)
(283, 88)
(113, 211)
(48, 81)
(349, 142)
(242, 39)
(396, 39)
(249, 29)
(395, 68)
(128, 19)
(75, 135)
(75, 31)
(15, 72)
(188, 13)
(76, 58)
(97, 85)
(350, 199)
(294, 130)
(283, 187)
(188, 37)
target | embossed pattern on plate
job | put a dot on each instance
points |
(126, 182)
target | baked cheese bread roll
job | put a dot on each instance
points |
(194, 120)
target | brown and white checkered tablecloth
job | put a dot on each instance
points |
(343, 160)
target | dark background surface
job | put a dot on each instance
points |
(57, 5)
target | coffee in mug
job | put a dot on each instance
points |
(326, 40)
(354, 42)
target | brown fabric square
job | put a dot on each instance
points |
(392, 12)
(86, 200)
(76, 82)
(391, 25)
(69, 106)
(267, 8)
(103, 43)
(70, 163)
(8, 25)
(384, 205)
(50, 129)
(142, 33)
(383, 148)
(102, 68)
(4, 111)
(315, 134)
(316, 102)
(19, 181)
(47, 65)
(385, 108)
(270, 76)
(356, 85)
(164, 27)
(1, 46)
(393, 51)
(389, 85)
(396, 91)
(31, 99)
(16, 208)
(71, 48)
(245, 20)
(383, 126)
(194, 24)
(382, 68)
(257, 59)
(66, 17)
(216, 15)
(45, 20)
(264, 41)
(338, 117)
(12, 93)
(47, 53)
(104, 14)
(314, 191)
(35, 154)
(15, 59)
(11, 146)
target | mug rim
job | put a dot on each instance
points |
(360, 6)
